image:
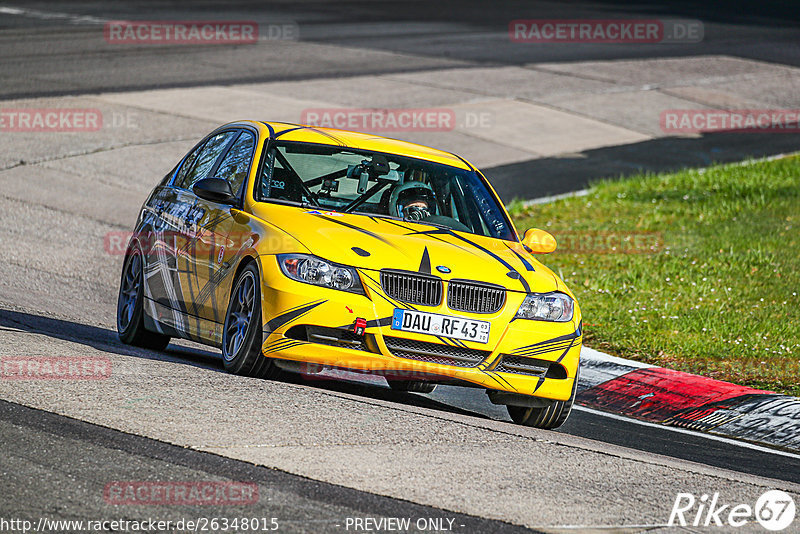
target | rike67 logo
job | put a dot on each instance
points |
(774, 510)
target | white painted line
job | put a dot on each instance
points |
(679, 430)
(591, 354)
(50, 15)
(592, 528)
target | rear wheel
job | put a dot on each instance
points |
(413, 386)
(241, 336)
(130, 306)
(549, 417)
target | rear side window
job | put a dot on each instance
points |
(236, 164)
(200, 162)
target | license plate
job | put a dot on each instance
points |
(440, 325)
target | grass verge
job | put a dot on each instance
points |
(697, 270)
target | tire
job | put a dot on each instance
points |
(241, 334)
(412, 386)
(548, 418)
(130, 306)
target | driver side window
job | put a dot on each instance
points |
(200, 163)
(236, 164)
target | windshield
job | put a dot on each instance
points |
(384, 185)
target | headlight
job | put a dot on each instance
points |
(556, 307)
(318, 272)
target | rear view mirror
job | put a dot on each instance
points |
(215, 190)
(539, 241)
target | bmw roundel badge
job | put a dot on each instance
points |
(443, 269)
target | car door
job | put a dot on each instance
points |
(164, 240)
(182, 215)
(214, 249)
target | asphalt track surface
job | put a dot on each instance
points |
(57, 49)
(132, 428)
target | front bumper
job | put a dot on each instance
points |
(525, 357)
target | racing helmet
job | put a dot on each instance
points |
(409, 193)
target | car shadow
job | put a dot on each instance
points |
(188, 353)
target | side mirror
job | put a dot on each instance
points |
(215, 190)
(539, 241)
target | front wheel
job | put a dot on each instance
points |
(241, 336)
(130, 306)
(549, 417)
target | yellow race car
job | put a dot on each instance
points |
(295, 248)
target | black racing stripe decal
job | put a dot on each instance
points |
(298, 307)
(495, 378)
(504, 380)
(567, 350)
(390, 221)
(522, 280)
(303, 127)
(525, 262)
(289, 130)
(447, 340)
(425, 264)
(280, 320)
(565, 337)
(529, 354)
(270, 129)
(435, 231)
(207, 290)
(285, 346)
(507, 265)
(543, 350)
(377, 290)
(354, 227)
(326, 134)
(459, 342)
(218, 219)
(404, 227)
(538, 384)
(431, 233)
(272, 347)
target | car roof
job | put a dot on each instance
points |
(374, 143)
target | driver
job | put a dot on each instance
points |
(413, 200)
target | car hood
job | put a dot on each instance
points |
(378, 243)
